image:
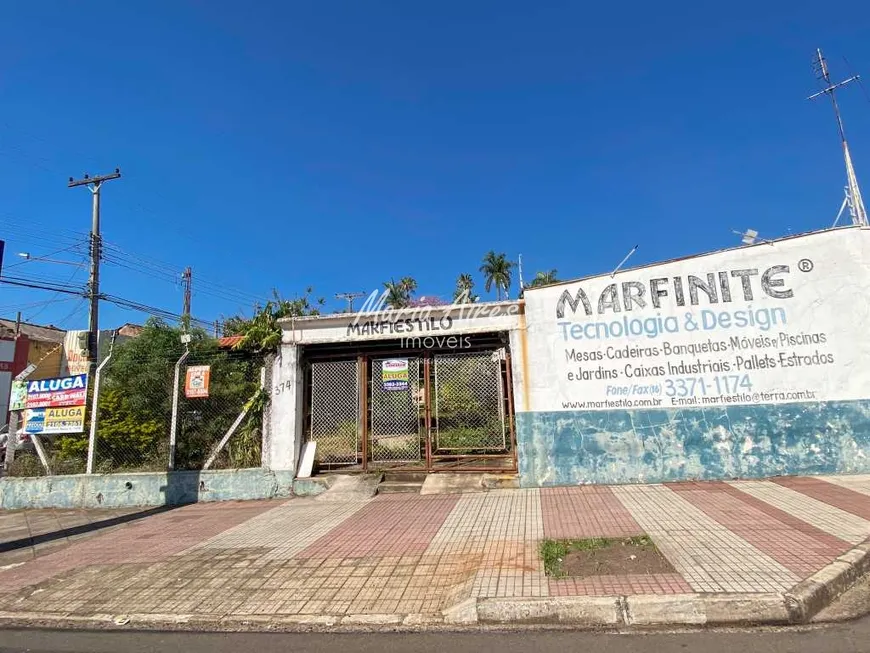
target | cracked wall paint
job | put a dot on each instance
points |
(651, 446)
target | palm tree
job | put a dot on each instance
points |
(399, 292)
(464, 287)
(496, 271)
(409, 285)
(544, 279)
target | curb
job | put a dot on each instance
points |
(809, 596)
(794, 607)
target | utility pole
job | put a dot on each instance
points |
(349, 296)
(187, 282)
(853, 192)
(94, 184)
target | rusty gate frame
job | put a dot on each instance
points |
(432, 462)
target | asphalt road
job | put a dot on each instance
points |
(839, 638)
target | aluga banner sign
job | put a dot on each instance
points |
(59, 392)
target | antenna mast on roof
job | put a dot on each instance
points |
(349, 297)
(853, 192)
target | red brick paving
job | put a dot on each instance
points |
(834, 495)
(589, 511)
(614, 585)
(802, 550)
(149, 540)
(834, 542)
(399, 524)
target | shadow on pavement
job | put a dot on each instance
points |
(24, 542)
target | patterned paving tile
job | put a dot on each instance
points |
(588, 511)
(151, 539)
(825, 517)
(287, 529)
(858, 482)
(619, 585)
(795, 544)
(830, 493)
(416, 553)
(709, 556)
(503, 527)
(389, 525)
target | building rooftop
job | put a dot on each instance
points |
(47, 333)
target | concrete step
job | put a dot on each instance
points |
(391, 487)
(457, 483)
(405, 476)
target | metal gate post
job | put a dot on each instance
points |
(92, 438)
(173, 432)
(362, 374)
(510, 396)
(427, 408)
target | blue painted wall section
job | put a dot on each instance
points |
(572, 448)
(151, 488)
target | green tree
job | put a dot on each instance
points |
(544, 279)
(464, 292)
(399, 293)
(262, 332)
(135, 402)
(497, 271)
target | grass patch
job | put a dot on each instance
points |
(554, 552)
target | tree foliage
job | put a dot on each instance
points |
(135, 405)
(544, 279)
(464, 292)
(262, 333)
(497, 271)
(400, 293)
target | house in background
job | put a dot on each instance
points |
(54, 352)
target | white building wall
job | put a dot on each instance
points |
(286, 411)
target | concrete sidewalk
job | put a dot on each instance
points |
(742, 552)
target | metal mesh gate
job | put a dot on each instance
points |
(395, 432)
(335, 412)
(469, 403)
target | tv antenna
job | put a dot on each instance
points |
(622, 262)
(853, 193)
(750, 237)
(349, 297)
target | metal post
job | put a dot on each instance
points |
(187, 282)
(173, 433)
(94, 184)
(92, 439)
(37, 444)
(362, 408)
(11, 440)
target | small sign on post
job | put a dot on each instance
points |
(18, 395)
(394, 374)
(196, 381)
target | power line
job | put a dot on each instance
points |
(151, 310)
(94, 185)
(69, 280)
(168, 273)
(74, 312)
(36, 260)
(27, 305)
(40, 284)
(33, 228)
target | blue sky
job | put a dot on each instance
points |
(338, 144)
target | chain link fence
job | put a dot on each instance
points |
(469, 410)
(134, 415)
(203, 421)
